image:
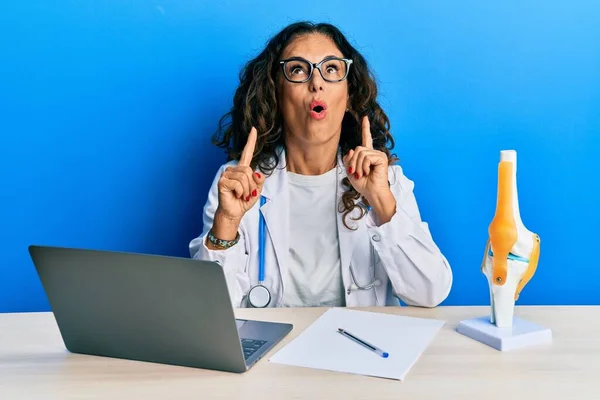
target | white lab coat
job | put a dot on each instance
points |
(400, 253)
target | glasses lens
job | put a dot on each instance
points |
(333, 70)
(297, 70)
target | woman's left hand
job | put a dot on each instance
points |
(368, 168)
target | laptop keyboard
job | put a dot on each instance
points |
(250, 346)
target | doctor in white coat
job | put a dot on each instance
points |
(311, 209)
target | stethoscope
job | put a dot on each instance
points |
(259, 296)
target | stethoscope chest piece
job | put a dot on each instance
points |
(259, 296)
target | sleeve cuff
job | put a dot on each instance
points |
(219, 256)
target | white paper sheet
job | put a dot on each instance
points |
(321, 346)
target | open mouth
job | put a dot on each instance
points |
(318, 109)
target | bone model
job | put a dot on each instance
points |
(512, 251)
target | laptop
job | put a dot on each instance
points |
(150, 308)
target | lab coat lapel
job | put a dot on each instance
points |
(345, 236)
(276, 214)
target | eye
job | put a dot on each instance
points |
(332, 69)
(297, 68)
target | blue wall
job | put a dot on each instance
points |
(107, 109)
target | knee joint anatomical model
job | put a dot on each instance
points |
(512, 251)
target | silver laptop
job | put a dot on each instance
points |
(150, 308)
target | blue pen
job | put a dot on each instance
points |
(363, 343)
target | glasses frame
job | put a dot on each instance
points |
(314, 66)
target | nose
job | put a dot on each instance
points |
(316, 82)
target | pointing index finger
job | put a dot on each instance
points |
(248, 152)
(367, 139)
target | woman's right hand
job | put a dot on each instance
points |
(239, 188)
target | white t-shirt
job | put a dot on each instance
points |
(313, 275)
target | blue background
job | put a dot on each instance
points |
(107, 110)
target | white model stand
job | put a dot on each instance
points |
(521, 334)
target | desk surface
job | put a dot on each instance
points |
(35, 364)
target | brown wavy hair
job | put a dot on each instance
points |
(255, 104)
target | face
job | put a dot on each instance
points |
(299, 102)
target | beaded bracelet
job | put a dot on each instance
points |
(220, 243)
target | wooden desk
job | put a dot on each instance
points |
(35, 364)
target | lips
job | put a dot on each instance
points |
(318, 109)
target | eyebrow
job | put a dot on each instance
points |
(330, 55)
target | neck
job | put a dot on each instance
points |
(311, 159)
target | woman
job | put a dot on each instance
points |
(310, 210)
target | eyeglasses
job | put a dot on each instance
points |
(300, 70)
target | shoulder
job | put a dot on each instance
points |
(224, 166)
(399, 182)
